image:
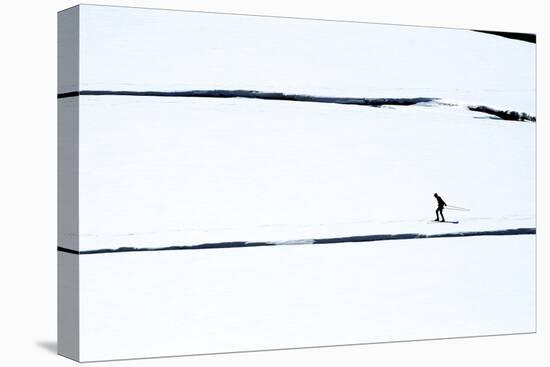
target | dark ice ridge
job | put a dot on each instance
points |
(253, 94)
(366, 238)
(504, 114)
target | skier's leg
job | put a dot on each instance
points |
(437, 215)
(442, 217)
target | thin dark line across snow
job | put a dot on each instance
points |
(241, 93)
(253, 94)
(365, 238)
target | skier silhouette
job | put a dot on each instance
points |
(440, 205)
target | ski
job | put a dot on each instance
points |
(447, 222)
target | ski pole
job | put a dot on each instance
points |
(453, 207)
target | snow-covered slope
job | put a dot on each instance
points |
(187, 302)
(143, 49)
(184, 171)
(161, 171)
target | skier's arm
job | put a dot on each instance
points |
(444, 203)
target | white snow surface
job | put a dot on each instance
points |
(205, 301)
(163, 171)
(169, 171)
(144, 49)
(157, 172)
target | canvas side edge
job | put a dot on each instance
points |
(68, 305)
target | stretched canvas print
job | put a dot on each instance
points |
(235, 183)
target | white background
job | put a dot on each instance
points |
(28, 183)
